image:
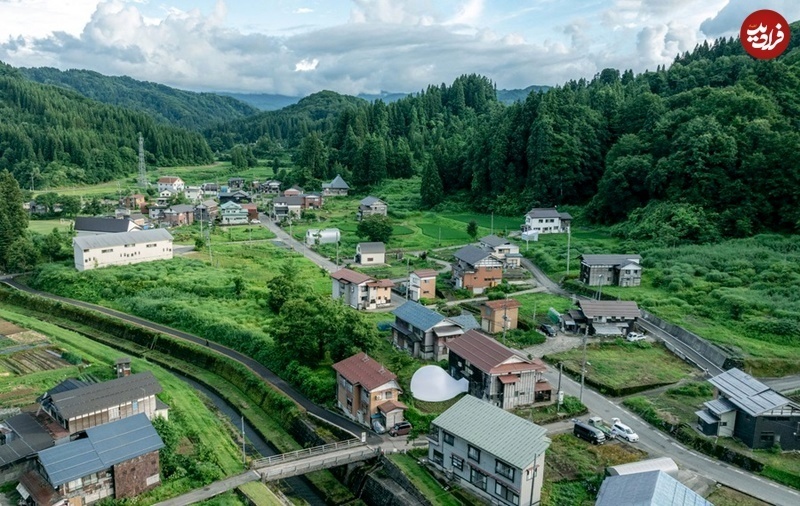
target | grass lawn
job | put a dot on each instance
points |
(437, 407)
(423, 481)
(259, 495)
(620, 364)
(724, 496)
(46, 226)
(540, 303)
(397, 268)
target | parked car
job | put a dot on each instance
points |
(400, 429)
(589, 433)
(635, 336)
(548, 330)
(622, 431)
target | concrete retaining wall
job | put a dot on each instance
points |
(711, 352)
(397, 475)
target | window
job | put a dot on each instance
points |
(151, 245)
(135, 406)
(474, 453)
(477, 478)
(388, 395)
(438, 458)
(457, 462)
(110, 250)
(504, 470)
(449, 438)
(506, 493)
(75, 485)
(768, 437)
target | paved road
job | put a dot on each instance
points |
(212, 490)
(659, 444)
(542, 278)
(259, 369)
(785, 384)
(297, 245)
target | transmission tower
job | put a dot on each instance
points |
(142, 170)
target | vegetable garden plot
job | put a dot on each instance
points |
(33, 360)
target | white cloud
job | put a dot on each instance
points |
(306, 65)
(303, 10)
(39, 18)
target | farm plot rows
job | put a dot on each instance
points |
(33, 360)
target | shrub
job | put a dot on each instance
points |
(72, 358)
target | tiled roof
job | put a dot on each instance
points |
(425, 273)
(610, 259)
(747, 393)
(99, 396)
(111, 240)
(488, 355)
(608, 308)
(372, 247)
(501, 304)
(338, 183)
(471, 254)
(389, 406)
(364, 370)
(487, 427)
(351, 276)
(418, 315)
(368, 201)
(381, 283)
(168, 179)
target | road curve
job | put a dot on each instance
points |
(259, 369)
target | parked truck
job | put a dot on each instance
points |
(602, 426)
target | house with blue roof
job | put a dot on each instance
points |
(651, 488)
(424, 333)
(115, 460)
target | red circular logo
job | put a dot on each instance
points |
(765, 34)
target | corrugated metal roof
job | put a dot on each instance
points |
(99, 224)
(720, 406)
(471, 254)
(542, 212)
(418, 315)
(653, 488)
(748, 393)
(706, 416)
(351, 276)
(112, 240)
(504, 435)
(372, 247)
(488, 355)
(103, 447)
(494, 241)
(30, 437)
(425, 273)
(368, 201)
(466, 321)
(99, 396)
(610, 308)
(610, 259)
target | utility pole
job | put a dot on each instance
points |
(493, 223)
(337, 254)
(244, 455)
(440, 236)
(558, 391)
(569, 236)
(505, 319)
(583, 365)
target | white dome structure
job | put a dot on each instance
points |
(431, 383)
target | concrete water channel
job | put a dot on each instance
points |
(297, 487)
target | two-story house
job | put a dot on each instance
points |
(193, 193)
(371, 206)
(294, 191)
(750, 411)
(179, 215)
(370, 253)
(499, 315)
(116, 460)
(236, 183)
(171, 183)
(476, 270)
(337, 187)
(361, 291)
(422, 284)
(497, 374)
(424, 333)
(609, 317)
(206, 210)
(366, 391)
(271, 187)
(210, 189)
(546, 221)
(94, 251)
(231, 213)
(238, 196)
(502, 249)
(135, 201)
(498, 455)
(287, 207)
(80, 408)
(620, 270)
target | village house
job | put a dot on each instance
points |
(237, 196)
(361, 291)
(609, 317)
(503, 250)
(117, 460)
(424, 333)
(497, 374)
(476, 270)
(294, 191)
(21, 437)
(77, 409)
(252, 211)
(90, 225)
(135, 201)
(499, 315)
(171, 183)
(236, 183)
(619, 270)
(422, 284)
(750, 411)
(232, 213)
(179, 215)
(337, 187)
(92, 252)
(371, 206)
(650, 488)
(312, 201)
(206, 211)
(546, 221)
(156, 212)
(367, 392)
(495, 454)
(165, 196)
(370, 253)
(271, 187)
(210, 189)
(193, 193)
(287, 207)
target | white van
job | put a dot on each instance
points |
(622, 431)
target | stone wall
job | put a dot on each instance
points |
(380, 491)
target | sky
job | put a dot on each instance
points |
(297, 47)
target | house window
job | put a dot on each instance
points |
(135, 406)
(348, 386)
(75, 485)
(506, 493)
(107, 250)
(388, 395)
(477, 478)
(457, 462)
(113, 413)
(474, 453)
(768, 437)
(449, 438)
(151, 245)
(438, 458)
(504, 470)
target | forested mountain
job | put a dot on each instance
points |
(195, 111)
(262, 101)
(57, 136)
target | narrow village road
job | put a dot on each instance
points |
(298, 246)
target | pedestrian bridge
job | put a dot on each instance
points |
(286, 465)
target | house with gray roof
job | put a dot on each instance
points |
(337, 187)
(609, 317)
(750, 411)
(618, 270)
(497, 455)
(78, 409)
(546, 221)
(370, 253)
(115, 460)
(360, 291)
(652, 488)
(97, 225)
(21, 437)
(371, 206)
(95, 251)
(476, 269)
(502, 249)
(424, 333)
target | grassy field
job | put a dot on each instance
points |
(724, 496)
(423, 481)
(47, 226)
(620, 364)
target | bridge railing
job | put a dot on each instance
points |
(307, 452)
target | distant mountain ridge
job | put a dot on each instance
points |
(196, 111)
